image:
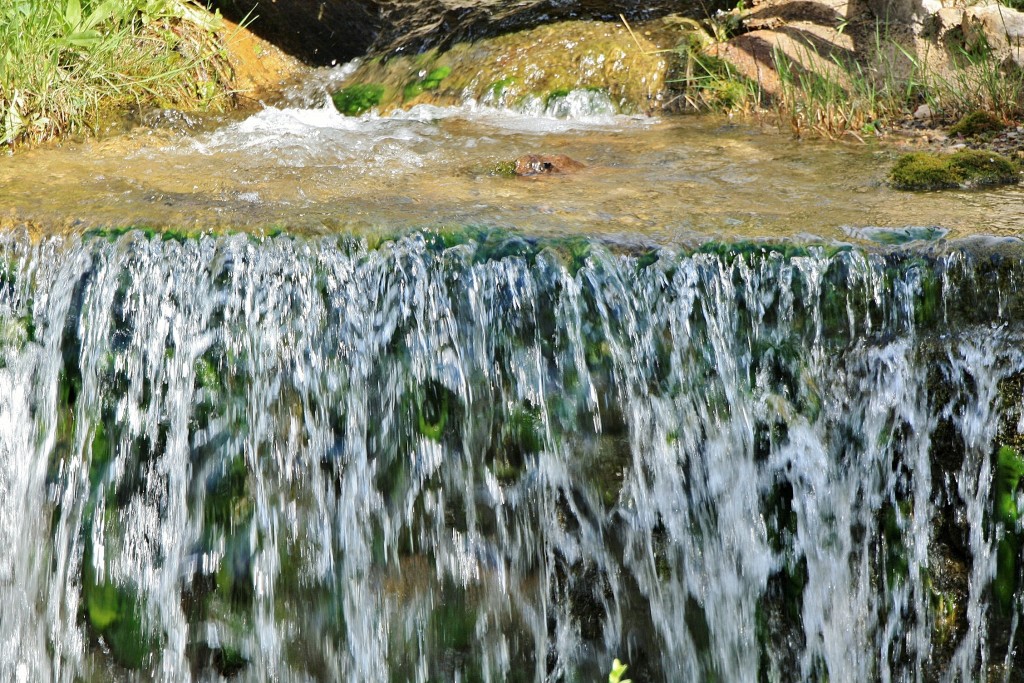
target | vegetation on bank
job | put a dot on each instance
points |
(843, 94)
(68, 65)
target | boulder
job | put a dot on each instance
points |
(327, 31)
(315, 31)
(549, 68)
(994, 27)
(259, 69)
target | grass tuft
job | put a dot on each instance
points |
(68, 65)
(832, 96)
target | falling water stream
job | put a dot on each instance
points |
(378, 447)
(481, 457)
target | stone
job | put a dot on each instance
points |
(259, 69)
(947, 19)
(546, 164)
(923, 113)
(913, 13)
(531, 69)
(323, 32)
(994, 27)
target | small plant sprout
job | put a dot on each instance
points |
(617, 673)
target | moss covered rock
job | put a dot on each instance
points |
(977, 123)
(966, 168)
(539, 66)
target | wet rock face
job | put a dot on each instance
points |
(545, 164)
(557, 68)
(322, 31)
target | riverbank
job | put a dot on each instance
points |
(824, 68)
(81, 67)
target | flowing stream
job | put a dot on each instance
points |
(303, 166)
(384, 446)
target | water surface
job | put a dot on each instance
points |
(308, 168)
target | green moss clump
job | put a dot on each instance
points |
(432, 81)
(977, 123)
(984, 168)
(117, 614)
(506, 169)
(498, 87)
(966, 168)
(1009, 471)
(922, 171)
(359, 98)
(432, 411)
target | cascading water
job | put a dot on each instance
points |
(444, 458)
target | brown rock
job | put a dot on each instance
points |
(258, 68)
(546, 164)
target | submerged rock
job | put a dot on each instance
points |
(545, 164)
(537, 69)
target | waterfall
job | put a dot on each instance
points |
(476, 456)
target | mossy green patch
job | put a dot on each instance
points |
(434, 78)
(966, 168)
(227, 503)
(922, 171)
(116, 613)
(506, 169)
(432, 81)
(1008, 473)
(977, 123)
(1009, 470)
(358, 99)
(498, 87)
(557, 93)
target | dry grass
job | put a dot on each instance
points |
(825, 96)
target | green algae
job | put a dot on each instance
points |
(496, 89)
(430, 82)
(117, 613)
(358, 98)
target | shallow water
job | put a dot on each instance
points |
(307, 168)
